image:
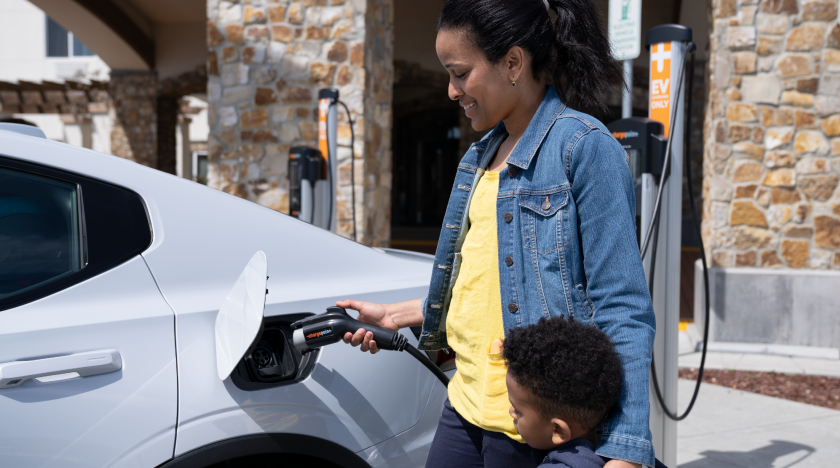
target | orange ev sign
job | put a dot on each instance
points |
(660, 84)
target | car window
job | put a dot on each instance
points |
(40, 231)
(59, 228)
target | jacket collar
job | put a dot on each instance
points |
(550, 108)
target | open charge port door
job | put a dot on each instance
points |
(274, 361)
(256, 352)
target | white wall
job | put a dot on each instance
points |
(23, 56)
(23, 48)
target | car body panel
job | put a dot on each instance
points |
(101, 420)
(410, 449)
(202, 239)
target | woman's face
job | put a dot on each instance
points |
(482, 89)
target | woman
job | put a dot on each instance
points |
(540, 222)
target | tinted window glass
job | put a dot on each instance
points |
(56, 39)
(109, 227)
(79, 49)
(40, 237)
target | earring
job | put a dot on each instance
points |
(514, 84)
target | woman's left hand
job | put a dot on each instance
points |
(621, 464)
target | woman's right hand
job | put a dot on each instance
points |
(372, 313)
(390, 316)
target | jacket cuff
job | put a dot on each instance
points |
(629, 449)
(423, 305)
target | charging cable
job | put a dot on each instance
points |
(352, 166)
(653, 232)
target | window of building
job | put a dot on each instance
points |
(200, 167)
(62, 43)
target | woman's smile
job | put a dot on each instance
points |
(469, 107)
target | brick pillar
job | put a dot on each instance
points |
(378, 55)
(772, 158)
(134, 115)
(266, 63)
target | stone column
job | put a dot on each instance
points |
(772, 158)
(267, 60)
(378, 55)
(134, 115)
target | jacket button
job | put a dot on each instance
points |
(511, 171)
(509, 261)
(512, 308)
(508, 217)
(546, 204)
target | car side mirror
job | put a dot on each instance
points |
(239, 323)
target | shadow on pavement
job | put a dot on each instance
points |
(779, 454)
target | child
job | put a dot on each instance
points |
(563, 378)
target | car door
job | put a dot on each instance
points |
(87, 346)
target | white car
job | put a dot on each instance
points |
(111, 279)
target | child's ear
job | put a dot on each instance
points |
(562, 433)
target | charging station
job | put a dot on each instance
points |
(312, 172)
(307, 177)
(647, 144)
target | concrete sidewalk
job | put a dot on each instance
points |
(764, 363)
(734, 429)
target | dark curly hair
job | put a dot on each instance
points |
(572, 51)
(572, 370)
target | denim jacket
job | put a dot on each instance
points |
(567, 245)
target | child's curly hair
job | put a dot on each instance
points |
(572, 370)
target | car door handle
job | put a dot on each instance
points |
(15, 373)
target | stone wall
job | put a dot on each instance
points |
(267, 60)
(772, 124)
(134, 115)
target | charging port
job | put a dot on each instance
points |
(274, 361)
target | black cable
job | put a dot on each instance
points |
(352, 167)
(421, 356)
(666, 168)
(696, 223)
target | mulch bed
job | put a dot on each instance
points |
(811, 389)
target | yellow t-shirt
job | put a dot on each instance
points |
(474, 321)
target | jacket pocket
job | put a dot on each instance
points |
(584, 308)
(544, 219)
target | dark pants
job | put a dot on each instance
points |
(460, 444)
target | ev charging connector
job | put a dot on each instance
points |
(644, 143)
(330, 327)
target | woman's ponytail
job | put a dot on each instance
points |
(584, 70)
(572, 51)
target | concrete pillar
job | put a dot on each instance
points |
(134, 115)
(184, 151)
(266, 64)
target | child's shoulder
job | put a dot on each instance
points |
(578, 453)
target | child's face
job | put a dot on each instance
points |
(537, 431)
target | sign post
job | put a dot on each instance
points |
(626, 40)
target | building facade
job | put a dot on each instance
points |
(771, 217)
(765, 126)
